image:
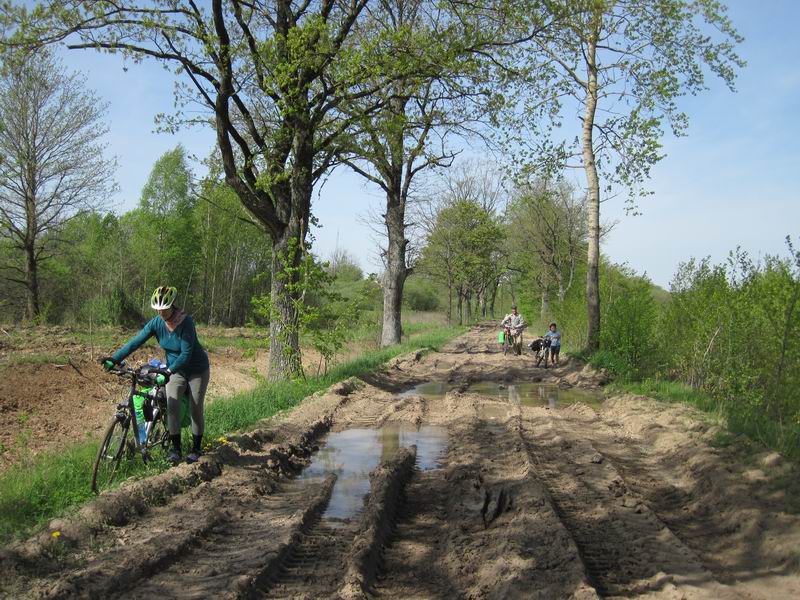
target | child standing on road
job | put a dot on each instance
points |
(555, 343)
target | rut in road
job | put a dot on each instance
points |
(626, 548)
(333, 558)
(313, 566)
(481, 526)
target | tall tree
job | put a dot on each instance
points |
(624, 64)
(270, 76)
(166, 229)
(52, 166)
(461, 249)
(547, 235)
(456, 93)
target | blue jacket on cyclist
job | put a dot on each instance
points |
(184, 352)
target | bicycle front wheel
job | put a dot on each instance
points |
(159, 434)
(109, 454)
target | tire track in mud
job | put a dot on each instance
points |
(340, 559)
(626, 548)
(703, 496)
(212, 539)
(236, 553)
(480, 526)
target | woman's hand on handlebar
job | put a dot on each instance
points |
(108, 362)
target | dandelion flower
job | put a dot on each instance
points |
(56, 534)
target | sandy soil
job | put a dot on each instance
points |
(523, 501)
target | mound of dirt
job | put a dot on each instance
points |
(45, 406)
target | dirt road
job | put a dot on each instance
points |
(458, 474)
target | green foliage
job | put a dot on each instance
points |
(327, 317)
(200, 240)
(462, 250)
(611, 362)
(420, 294)
(630, 317)
(733, 331)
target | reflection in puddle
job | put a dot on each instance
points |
(536, 394)
(353, 453)
(526, 394)
(493, 412)
(429, 389)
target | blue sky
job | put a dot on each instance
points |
(728, 183)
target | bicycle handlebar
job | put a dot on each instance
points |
(157, 376)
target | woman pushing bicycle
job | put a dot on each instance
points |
(187, 366)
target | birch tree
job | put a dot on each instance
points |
(623, 65)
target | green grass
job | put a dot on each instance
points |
(39, 358)
(47, 486)
(739, 419)
(668, 391)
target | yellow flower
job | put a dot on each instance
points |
(222, 440)
(56, 534)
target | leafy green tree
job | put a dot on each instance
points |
(234, 255)
(271, 77)
(461, 250)
(631, 317)
(166, 241)
(547, 236)
(325, 316)
(625, 64)
(419, 114)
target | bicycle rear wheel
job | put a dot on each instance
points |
(109, 454)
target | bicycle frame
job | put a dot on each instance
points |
(127, 411)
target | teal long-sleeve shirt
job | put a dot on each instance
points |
(185, 354)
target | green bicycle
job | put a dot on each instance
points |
(144, 412)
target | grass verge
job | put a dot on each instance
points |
(49, 485)
(668, 391)
(738, 419)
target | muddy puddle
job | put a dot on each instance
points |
(524, 393)
(351, 454)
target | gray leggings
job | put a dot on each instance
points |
(176, 387)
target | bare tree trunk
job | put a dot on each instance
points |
(495, 287)
(468, 298)
(449, 301)
(233, 284)
(593, 181)
(396, 272)
(32, 283)
(545, 310)
(460, 306)
(284, 327)
(213, 284)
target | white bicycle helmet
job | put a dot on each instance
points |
(163, 297)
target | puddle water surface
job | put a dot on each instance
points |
(353, 453)
(526, 393)
(536, 394)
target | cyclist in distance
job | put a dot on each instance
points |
(555, 343)
(513, 323)
(187, 364)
